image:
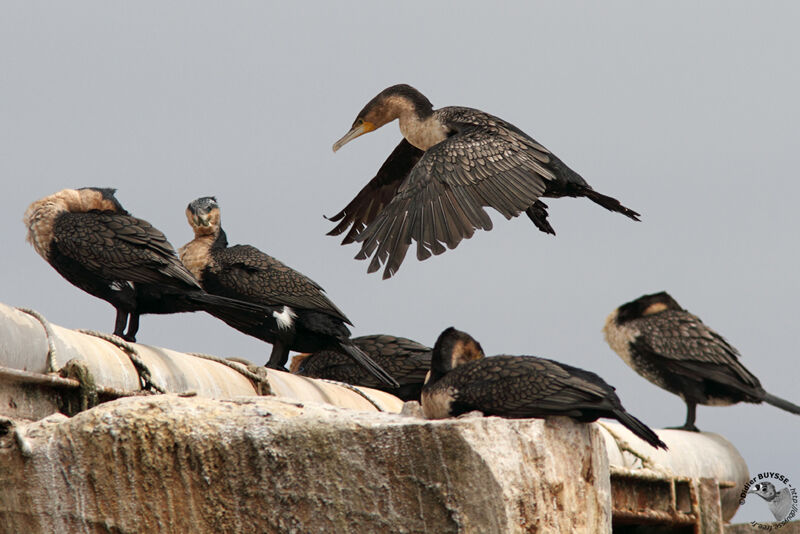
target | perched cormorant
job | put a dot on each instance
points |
(674, 350)
(89, 238)
(462, 380)
(307, 321)
(406, 360)
(451, 163)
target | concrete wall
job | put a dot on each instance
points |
(263, 464)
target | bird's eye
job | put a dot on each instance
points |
(359, 122)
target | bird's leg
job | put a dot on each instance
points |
(279, 356)
(120, 322)
(691, 412)
(538, 214)
(133, 327)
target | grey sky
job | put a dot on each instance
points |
(687, 113)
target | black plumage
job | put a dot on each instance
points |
(406, 360)
(89, 238)
(673, 349)
(462, 380)
(452, 163)
(305, 319)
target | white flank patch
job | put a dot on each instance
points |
(285, 318)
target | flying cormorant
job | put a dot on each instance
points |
(406, 360)
(674, 350)
(451, 163)
(89, 238)
(305, 319)
(462, 380)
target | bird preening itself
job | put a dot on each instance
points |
(461, 380)
(674, 350)
(89, 238)
(406, 360)
(451, 164)
(305, 319)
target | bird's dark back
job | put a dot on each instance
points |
(248, 273)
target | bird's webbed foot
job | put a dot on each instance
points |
(133, 328)
(279, 356)
(538, 214)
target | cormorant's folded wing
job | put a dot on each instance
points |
(249, 274)
(120, 247)
(683, 344)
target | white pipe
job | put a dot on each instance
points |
(23, 345)
(691, 455)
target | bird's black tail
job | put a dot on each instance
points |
(782, 404)
(367, 363)
(609, 203)
(639, 428)
(207, 300)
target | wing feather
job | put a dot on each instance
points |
(690, 347)
(438, 197)
(120, 247)
(530, 387)
(369, 202)
(249, 274)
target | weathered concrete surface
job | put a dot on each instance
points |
(262, 464)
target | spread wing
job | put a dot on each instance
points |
(685, 345)
(247, 273)
(485, 162)
(369, 202)
(120, 247)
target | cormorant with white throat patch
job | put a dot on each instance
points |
(674, 350)
(461, 380)
(406, 360)
(89, 238)
(306, 320)
(451, 164)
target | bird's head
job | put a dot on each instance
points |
(646, 305)
(204, 216)
(765, 490)
(100, 199)
(387, 106)
(452, 349)
(40, 215)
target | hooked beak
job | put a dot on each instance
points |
(355, 131)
